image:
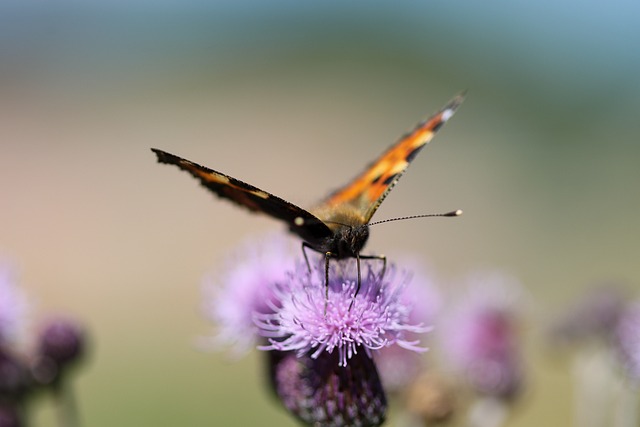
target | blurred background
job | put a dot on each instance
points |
(543, 157)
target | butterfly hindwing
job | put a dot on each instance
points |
(366, 192)
(301, 222)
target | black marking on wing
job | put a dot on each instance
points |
(438, 126)
(412, 154)
(304, 224)
(390, 179)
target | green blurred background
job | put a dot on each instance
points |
(297, 97)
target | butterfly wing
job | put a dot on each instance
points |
(366, 192)
(301, 222)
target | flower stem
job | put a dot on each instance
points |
(626, 408)
(67, 408)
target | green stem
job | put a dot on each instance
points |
(66, 406)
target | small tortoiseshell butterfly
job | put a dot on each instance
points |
(337, 227)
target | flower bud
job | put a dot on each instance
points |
(13, 377)
(61, 344)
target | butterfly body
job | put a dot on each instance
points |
(349, 231)
(338, 226)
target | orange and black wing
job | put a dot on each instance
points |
(301, 222)
(366, 192)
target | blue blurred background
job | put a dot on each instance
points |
(296, 98)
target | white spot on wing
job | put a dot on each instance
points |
(299, 221)
(216, 178)
(447, 114)
(260, 194)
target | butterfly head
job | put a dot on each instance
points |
(349, 231)
(349, 240)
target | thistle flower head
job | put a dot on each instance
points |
(310, 318)
(593, 317)
(61, 344)
(480, 335)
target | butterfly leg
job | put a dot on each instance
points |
(382, 272)
(359, 278)
(382, 258)
(327, 256)
(305, 246)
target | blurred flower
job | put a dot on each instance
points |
(398, 368)
(593, 316)
(431, 399)
(321, 393)
(310, 319)
(246, 287)
(588, 328)
(23, 373)
(627, 341)
(421, 292)
(480, 335)
(13, 306)
(61, 344)
(14, 377)
(62, 341)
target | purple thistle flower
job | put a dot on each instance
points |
(592, 317)
(321, 340)
(61, 344)
(627, 341)
(303, 320)
(13, 307)
(480, 336)
(231, 300)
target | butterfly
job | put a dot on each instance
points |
(338, 226)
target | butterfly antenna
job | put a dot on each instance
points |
(448, 214)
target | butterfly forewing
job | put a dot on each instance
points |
(338, 226)
(366, 192)
(301, 222)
